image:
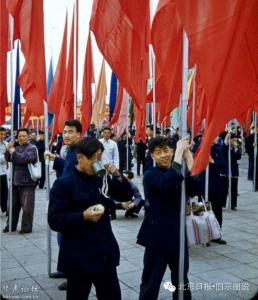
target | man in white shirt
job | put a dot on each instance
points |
(110, 154)
(3, 170)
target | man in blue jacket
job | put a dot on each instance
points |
(160, 230)
(78, 208)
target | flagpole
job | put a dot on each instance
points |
(183, 191)
(229, 171)
(193, 104)
(47, 184)
(127, 139)
(11, 25)
(153, 90)
(75, 61)
(255, 150)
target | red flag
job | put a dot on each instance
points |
(55, 96)
(122, 31)
(56, 92)
(3, 60)
(29, 28)
(218, 38)
(88, 79)
(166, 36)
(118, 105)
(67, 104)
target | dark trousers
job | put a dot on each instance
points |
(43, 175)
(106, 284)
(4, 192)
(123, 165)
(217, 209)
(23, 197)
(140, 160)
(154, 267)
(234, 191)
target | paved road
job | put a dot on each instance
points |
(218, 272)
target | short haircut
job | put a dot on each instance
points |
(2, 129)
(74, 123)
(159, 142)
(150, 126)
(41, 132)
(233, 136)
(88, 146)
(130, 174)
(23, 129)
(106, 128)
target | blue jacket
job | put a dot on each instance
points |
(63, 165)
(160, 228)
(86, 247)
(235, 156)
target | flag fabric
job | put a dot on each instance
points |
(3, 60)
(121, 124)
(99, 105)
(49, 77)
(88, 80)
(57, 86)
(113, 94)
(29, 28)
(167, 41)
(56, 91)
(117, 109)
(121, 30)
(67, 104)
(219, 34)
(49, 84)
(131, 112)
(17, 96)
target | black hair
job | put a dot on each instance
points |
(23, 129)
(159, 142)
(75, 123)
(106, 128)
(233, 136)
(129, 174)
(2, 129)
(150, 126)
(89, 146)
(41, 132)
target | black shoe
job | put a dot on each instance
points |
(208, 244)
(57, 275)
(129, 214)
(25, 231)
(6, 229)
(63, 286)
(234, 208)
(220, 241)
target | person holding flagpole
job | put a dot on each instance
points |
(160, 230)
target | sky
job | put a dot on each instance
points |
(54, 20)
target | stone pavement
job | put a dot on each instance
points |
(218, 272)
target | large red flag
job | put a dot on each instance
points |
(67, 104)
(166, 36)
(56, 91)
(29, 28)
(122, 34)
(55, 95)
(88, 79)
(219, 35)
(3, 60)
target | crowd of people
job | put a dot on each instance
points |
(95, 178)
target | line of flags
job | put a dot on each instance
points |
(218, 35)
